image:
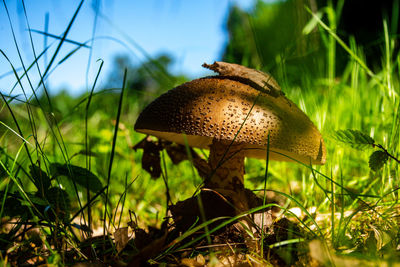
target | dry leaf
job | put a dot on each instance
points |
(320, 252)
(191, 262)
(147, 252)
(151, 156)
(121, 238)
(255, 78)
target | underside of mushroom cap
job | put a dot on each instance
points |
(226, 109)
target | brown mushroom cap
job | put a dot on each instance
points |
(226, 108)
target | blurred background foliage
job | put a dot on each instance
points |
(279, 37)
(271, 36)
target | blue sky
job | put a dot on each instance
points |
(191, 31)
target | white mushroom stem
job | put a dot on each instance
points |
(226, 161)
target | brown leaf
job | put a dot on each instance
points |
(151, 161)
(257, 79)
(151, 156)
(121, 238)
(199, 261)
(177, 153)
(151, 250)
(326, 256)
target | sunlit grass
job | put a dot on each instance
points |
(344, 202)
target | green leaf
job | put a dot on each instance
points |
(3, 172)
(355, 138)
(82, 227)
(78, 174)
(60, 203)
(36, 200)
(13, 207)
(40, 178)
(377, 160)
(4, 159)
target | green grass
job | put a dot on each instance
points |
(355, 209)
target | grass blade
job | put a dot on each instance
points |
(113, 151)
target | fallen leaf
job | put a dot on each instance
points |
(121, 238)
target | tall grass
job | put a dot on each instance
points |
(344, 203)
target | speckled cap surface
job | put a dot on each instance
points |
(229, 108)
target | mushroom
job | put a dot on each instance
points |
(234, 115)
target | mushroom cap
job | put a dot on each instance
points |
(230, 108)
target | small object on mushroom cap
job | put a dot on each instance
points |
(239, 107)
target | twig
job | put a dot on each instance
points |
(387, 153)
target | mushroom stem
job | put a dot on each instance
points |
(226, 161)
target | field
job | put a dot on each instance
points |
(73, 189)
